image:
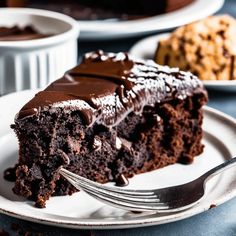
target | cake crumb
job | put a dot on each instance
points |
(212, 206)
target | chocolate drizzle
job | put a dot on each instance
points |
(105, 87)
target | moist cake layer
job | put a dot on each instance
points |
(109, 117)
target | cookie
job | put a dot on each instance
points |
(207, 48)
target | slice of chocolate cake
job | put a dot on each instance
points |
(111, 116)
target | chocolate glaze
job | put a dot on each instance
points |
(16, 33)
(105, 87)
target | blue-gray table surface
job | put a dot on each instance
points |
(217, 221)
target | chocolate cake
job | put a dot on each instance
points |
(111, 116)
(17, 33)
(103, 9)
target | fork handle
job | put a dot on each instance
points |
(220, 168)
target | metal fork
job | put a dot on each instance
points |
(163, 200)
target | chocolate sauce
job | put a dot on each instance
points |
(16, 33)
(121, 181)
(10, 174)
(185, 159)
(106, 87)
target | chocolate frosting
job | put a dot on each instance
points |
(105, 87)
(16, 33)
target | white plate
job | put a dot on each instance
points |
(118, 29)
(82, 211)
(146, 49)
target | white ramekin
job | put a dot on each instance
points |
(31, 64)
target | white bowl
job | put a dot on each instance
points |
(30, 64)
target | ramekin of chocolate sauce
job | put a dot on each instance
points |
(36, 47)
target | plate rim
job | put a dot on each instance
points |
(119, 224)
(108, 30)
(135, 52)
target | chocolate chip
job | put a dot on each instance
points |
(121, 181)
(97, 143)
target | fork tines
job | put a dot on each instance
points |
(144, 200)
